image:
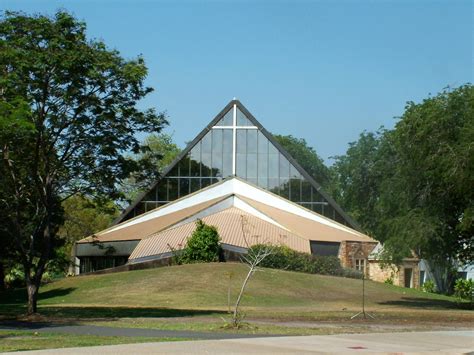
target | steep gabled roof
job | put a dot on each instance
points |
(316, 186)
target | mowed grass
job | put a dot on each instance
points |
(201, 290)
(29, 340)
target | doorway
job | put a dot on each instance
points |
(408, 278)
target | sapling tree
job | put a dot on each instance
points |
(252, 259)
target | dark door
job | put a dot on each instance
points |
(408, 275)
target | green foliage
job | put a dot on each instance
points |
(411, 187)
(307, 157)
(69, 120)
(83, 217)
(429, 286)
(285, 258)
(464, 290)
(202, 246)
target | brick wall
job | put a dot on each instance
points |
(350, 251)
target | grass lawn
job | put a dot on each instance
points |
(29, 340)
(191, 297)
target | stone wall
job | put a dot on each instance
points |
(397, 274)
(349, 252)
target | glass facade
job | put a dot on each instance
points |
(257, 161)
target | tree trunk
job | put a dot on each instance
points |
(235, 319)
(32, 289)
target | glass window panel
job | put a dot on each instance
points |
(241, 165)
(252, 166)
(172, 189)
(174, 171)
(227, 120)
(329, 211)
(295, 190)
(206, 143)
(263, 170)
(284, 168)
(217, 152)
(163, 190)
(252, 181)
(183, 187)
(273, 166)
(317, 208)
(340, 219)
(252, 145)
(262, 143)
(241, 141)
(195, 164)
(317, 197)
(184, 166)
(274, 185)
(151, 196)
(242, 120)
(272, 149)
(227, 141)
(195, 184)
(305, 191)
(294, 173)
(205, 182)
(206, 164)
(227, 164)
(285, 188)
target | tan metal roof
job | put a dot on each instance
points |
(307, 228)
(146, 228)
(231, 225)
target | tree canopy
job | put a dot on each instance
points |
(68, 121)
(412, 187)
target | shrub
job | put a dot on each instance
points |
(429, 286)
(203, 246)
(288, 259)
(464, 290)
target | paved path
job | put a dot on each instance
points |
(122, 332)
(445, 342)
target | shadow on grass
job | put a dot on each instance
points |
(10, 311)
(413, 302)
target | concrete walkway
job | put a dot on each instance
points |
(445, 342)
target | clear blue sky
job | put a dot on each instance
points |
(320, 70)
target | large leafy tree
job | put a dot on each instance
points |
(359, 177)
(68, 121)
(432, 210)
(412, 187)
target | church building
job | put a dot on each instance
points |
(235, 176)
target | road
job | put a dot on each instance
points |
(445, 342)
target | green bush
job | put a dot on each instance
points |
(464, 290)
(429, 286)
(288, 259)
(203, 246)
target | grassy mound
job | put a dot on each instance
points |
(202, 289)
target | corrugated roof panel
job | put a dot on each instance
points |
(235, 227)
(146, 228)
(307, 228)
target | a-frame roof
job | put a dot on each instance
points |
(272, 140)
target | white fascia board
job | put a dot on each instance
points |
(267, 198)
(205, 195)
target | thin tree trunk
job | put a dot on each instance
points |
(32, 289)
(236, 309)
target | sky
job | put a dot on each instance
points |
(324, 71)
